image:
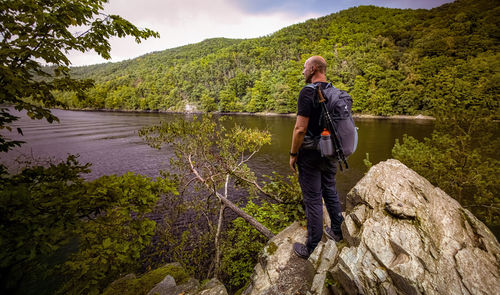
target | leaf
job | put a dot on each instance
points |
(106, 243)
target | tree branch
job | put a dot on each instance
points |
(245, 160)
(259, 188)
(257, 225)
(225, 185)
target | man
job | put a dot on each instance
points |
(316, 173)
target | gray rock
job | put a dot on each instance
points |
(315, 257)
(190, 287)
(406, 236)
(328, 255)
(280, 270)
(166, 287)
(318, 285)
(213, 287)
(169, 287)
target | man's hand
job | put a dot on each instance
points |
(293, 162)
(299, 131)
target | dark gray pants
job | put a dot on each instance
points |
(317, 181)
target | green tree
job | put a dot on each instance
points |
(228, 101)
(35, 33)
(43, 209)
(242, 244)
(260, 93)
(208, 103)
(113, 237)
(461, 155)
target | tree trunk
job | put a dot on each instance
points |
(217, 236)
(257, 225)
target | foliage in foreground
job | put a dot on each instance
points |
(43, 209)
(193, 246)
(242, 244)
(461, 155)
(211, 159)
(36, 33)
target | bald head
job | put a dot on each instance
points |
(315, 69)
(319, 62)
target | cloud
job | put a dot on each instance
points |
(186, 22)
(190, 21)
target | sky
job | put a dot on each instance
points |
(182, 22)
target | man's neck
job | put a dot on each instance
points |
(319, 78)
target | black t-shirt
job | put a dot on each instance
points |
(308, 106)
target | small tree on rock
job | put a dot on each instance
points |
(214, 157)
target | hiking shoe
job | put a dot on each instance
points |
(333, 236)
(301, 250)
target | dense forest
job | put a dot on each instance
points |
(390, 60)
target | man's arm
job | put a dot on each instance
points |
(297, 138)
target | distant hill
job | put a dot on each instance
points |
(390, 60)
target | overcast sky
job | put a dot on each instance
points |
(182, 22)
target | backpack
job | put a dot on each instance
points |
(339, 106)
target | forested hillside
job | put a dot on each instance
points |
(390, 60)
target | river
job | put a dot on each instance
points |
(110, 142)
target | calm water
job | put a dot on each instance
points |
(110, 142)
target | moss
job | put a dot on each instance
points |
(341, 245)
(337, 286)
(329, 281)
(333, 285)
(417, 221)
(143, 284)
(125, 283)
(271, 248)
(204, 282)
(241, 290)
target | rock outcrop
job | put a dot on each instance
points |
(170, 279)
(213, 287)
(168, 286)
(192, 287)
(401, 236)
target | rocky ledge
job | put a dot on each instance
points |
(402, 235)
(170, 279)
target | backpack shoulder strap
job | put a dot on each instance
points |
(315, 100)
(312, 85)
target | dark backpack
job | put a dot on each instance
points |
(339, 106)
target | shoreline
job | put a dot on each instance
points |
(264, 114)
